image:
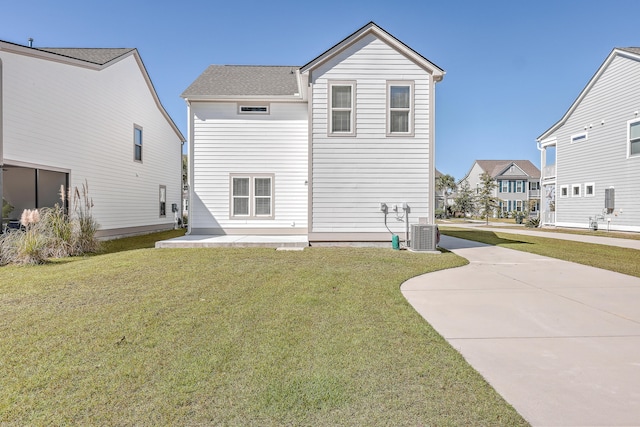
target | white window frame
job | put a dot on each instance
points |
(579, 137)
(410, 111)
(519, 205)
(254, 108)
(252, 197)
(564, 191)
(137, 130)
(631, 143)
(504, 186)
(330, 109)
(573, 190)
(593, 189)
(519, 186)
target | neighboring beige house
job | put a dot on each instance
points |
(591, 157)
(517, 183)
(70, 116)
(315, 150)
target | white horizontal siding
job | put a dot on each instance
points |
(352, 176)
(602, 158)
(62, 116)
(226, 142)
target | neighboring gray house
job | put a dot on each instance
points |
(315, 150)
(70, 116)
(596, 145)
(517, 183)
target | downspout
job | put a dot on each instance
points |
(543, 160)
(189, 164)
(432, 150)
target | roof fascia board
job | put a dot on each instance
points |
(469, 172)
(372, 28)
(154, 94)
(615, 52)
(503, 170)
(233, 98)
(49, 56)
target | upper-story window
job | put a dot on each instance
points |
(342, 108)
(634, 137)
(504, 186)
(137, 143)
(400, 108)
(253, 109)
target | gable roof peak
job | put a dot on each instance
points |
(373, 28)
(497, 167)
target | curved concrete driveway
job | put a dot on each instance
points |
(558, 340)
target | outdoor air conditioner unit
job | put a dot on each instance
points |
(424, 237)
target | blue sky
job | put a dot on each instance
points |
(513, 67)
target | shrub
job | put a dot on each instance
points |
(50, 232)
(533, 222)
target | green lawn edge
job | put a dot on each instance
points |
(613, 258)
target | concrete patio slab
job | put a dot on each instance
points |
(208, 241)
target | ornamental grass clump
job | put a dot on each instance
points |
(52, 232)
(84, 224)
(28, 245)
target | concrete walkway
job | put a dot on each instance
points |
(558, 340)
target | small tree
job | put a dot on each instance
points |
(464, 201)
(487, 202)
(446, 184)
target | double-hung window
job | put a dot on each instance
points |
(504, 186)
(342, 108)
(252, 196)
(634, 137)
(137, 143)
(400, 108)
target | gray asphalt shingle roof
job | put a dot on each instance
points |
(635, 50)
(245, 80)
(98, 56)
(494, 167)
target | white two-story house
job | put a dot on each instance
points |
(70, 117)
(591, 157)
(316, 150)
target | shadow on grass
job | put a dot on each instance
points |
(145, 241)
(482, 236)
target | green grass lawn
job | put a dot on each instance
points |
(622, 260)
(602, 232)
(229, 336)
